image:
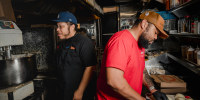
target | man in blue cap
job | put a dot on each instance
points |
(75, 58)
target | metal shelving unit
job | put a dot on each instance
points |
(190, 66)
(189, 8)
(90, 7)
(189, 35)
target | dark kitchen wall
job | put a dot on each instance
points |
(171, 44)
(39, 41)
(109, 26)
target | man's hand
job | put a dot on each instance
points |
(160, 96)
(78, 95)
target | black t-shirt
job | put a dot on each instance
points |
(73, 55)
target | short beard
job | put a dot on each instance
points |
(142, 42)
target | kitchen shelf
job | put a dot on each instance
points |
(91, 8)
(191, 35)
(108, 34)
(189, 8)
(190, 66)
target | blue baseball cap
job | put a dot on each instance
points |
(66, 17)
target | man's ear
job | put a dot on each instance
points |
(72, 26)
(144, 24)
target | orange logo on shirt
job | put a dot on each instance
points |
(72, 48)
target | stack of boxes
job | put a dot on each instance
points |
(170, 84)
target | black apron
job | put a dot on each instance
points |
(69, 69)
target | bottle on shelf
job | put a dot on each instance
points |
(179, 25)
(195, 54)
(198, 57)
(184, 50)
(190, 54)
(184, 24)
(198, 28)
(167, 3)
(174, 3)
(187, 25)
(196, 25)
(192, 25)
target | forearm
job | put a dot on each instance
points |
(126, 91)
(117, 82)
(147, 81)
(86, 78)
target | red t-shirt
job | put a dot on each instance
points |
(121, 52)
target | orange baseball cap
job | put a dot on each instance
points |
(157, 20)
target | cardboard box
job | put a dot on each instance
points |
(170, 84)
(169, 81)
(173, 90)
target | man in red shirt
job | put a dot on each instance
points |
(123, 65)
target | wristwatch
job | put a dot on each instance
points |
(151, 88)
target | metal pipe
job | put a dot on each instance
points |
(7, 52)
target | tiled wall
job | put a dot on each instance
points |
(39, 41)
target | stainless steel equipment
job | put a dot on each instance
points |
(10, 35)
(19, 69)
(14, 69)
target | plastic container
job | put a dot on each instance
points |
(187, 24)
(195, 54)
(180, 25)
(190, 54)
(184, 50)
(198, 57)
(174, 3)
(184, 25)
(196, 26)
